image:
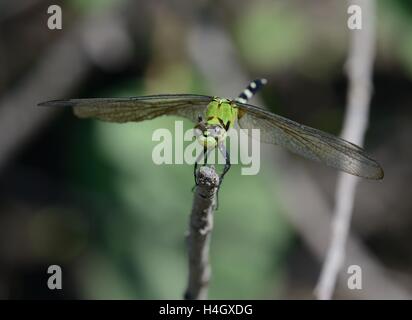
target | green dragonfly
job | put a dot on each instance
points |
(214, 116)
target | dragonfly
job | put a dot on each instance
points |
(214, 116)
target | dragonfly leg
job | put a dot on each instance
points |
(203, 155)
(195, 175)
(226, 155)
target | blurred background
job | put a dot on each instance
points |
(86, 195)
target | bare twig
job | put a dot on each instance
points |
(311, 219)
(200, 227)
(360, 69)
(313, 224)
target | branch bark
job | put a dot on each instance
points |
(360, 69)
(200, 228)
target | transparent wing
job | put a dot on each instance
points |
(136, 108)
(309, 142)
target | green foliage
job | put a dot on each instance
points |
(271, 36)
(89, 5)
(395, 32)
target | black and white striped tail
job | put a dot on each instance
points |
(250, 90)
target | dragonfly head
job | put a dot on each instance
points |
(210, 136)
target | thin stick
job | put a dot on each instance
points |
(200, 228)
(360, 68)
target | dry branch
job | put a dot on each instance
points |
(200, 227)
(360, 69)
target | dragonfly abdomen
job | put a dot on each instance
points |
(251, 90)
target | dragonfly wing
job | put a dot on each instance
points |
(136, 108)
(309, 142)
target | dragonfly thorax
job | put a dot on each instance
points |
(211, 135)
(222, 112)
